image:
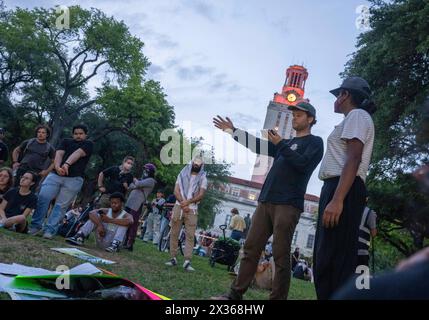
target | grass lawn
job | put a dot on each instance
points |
(145, 265)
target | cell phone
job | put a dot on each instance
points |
(101, 212)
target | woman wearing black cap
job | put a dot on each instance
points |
(342, 200)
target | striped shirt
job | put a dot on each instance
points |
(357, 124)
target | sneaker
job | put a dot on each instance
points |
(34, 232)
(114, 247)
(187, 266)
(232, 295)
(172, 262)
(78, 239)
(48, 235)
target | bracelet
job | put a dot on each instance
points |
(67, 164)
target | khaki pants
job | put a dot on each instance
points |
(268, 219)
(190, 220)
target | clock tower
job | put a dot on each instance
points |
(279, 117)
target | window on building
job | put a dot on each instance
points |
(310, 241)
(228, 219)
(295, 238)
(235, 192)
(252, 196)
(285, 125)
(279, 116)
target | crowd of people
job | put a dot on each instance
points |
(44, 180)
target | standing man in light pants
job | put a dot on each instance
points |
(190, 188)
(64, 184)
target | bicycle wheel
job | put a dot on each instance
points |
(182, 244)
(164, 242)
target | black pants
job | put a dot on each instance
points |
(335, 249)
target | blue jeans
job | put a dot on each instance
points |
(236, 235)
(64, 190)
(164, 224)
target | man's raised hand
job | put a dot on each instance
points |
(223, 124)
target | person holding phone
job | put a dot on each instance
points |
(281, 200)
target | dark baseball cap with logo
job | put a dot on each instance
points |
(304, 106)
(356, 84)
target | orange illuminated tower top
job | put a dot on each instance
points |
(294, 87)
(279, 117)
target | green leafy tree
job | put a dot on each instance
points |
(394, 58)
(53, 67)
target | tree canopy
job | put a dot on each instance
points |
(393, 56)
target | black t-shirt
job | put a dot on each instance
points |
(116, 180)
(70, 146)
(2, 193)
(4, 151)
(293, 165)
(17, 203)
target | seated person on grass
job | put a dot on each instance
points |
(110, 225)
(6, 181)
(17, 204)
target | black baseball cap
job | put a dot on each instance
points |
(304, 106)
(356, 84)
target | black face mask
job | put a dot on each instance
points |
(145, 174)
(196, 169)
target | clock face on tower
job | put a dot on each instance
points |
(291, 97)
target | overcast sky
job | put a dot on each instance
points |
(228, 57)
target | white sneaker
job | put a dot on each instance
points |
(48, 235)
(171, 263)
(187, 266)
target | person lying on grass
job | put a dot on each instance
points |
(110, 225)
(18, 203)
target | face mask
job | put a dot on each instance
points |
(146, 174)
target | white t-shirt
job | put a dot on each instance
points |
(357, 124)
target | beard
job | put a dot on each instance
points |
(196, 169)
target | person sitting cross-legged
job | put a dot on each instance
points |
(17, 204)
(111, 225)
